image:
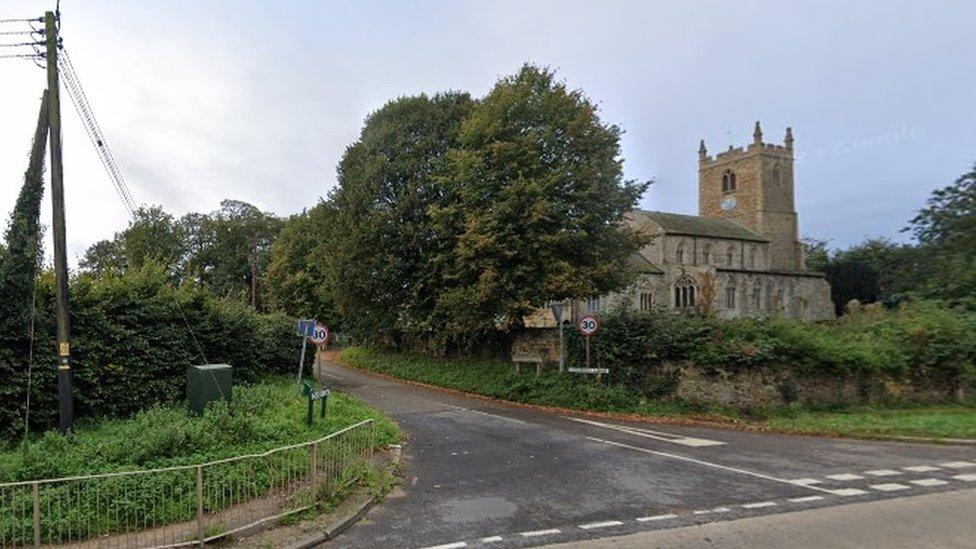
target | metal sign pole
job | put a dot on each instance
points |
(587, 351)
(301, 361)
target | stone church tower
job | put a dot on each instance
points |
(753, 187)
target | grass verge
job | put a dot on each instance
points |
(498, 379)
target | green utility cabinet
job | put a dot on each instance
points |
(207, 383)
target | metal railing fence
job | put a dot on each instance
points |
(183, 505)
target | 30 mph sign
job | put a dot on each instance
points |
(588, 325)
(320, 334)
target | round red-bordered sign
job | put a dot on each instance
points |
(320, 335)
(588, 325)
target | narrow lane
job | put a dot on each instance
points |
(479, 470)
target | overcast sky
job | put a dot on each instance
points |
(256, 100)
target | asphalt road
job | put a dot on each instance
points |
(480, 473)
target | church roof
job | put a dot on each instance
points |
(693, 225)
(640, 264)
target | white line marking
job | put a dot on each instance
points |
(806, 499)
(657, 517)
(454, 545)
(762, 504)
(848, 492)
(604, 524)
(882, 473)
(928, 482)
(890, 487)
(536, 533)
(496, 416)
(706, 463)
(715, 510)
(845, 476)
(647, 433)
(491, 539)
(967, 478)
(958, 464)
(805, 481)
(921, 468)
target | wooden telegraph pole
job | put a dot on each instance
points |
(65, 397)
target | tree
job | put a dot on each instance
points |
(535, 198)
(382, 250)
(948, 220)
(229, 249)
(152, 237)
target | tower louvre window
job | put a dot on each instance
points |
(728, 181)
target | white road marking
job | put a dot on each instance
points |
(805, 481)
(845, 476)
(536, 533)
(706, 463)
(762, 504)
(647, 433)
(882, 473)
(890, 487)
(715, 510)
(958, 464)
(967, 478)
(928, 482)
(921, 468)
(496, 416)
(491, 539)
(806, 499)
(454, 545)
(604, 524)
(848, 492)
(657, 517)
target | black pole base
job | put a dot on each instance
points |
(66, 405)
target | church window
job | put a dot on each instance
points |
(730, 256)
(679, 254)
(728, 181)
(730, 296)
(646, 301)
(707, 254)
(593, 304)
(752, 258)
(756, 296)
(684, 293)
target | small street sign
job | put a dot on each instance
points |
(590, 370)
(588, 325)
(306, 326)
(319, 395)
(320, 335)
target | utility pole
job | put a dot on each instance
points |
(65, 397)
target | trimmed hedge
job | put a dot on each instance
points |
(134, 335)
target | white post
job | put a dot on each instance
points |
(562, 351)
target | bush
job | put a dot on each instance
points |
(918, 342)
(134, 335)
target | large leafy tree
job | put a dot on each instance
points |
(380, 252)
(536, 196)
(152, 237)
(948, 220)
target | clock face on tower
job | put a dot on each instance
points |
(729, 204)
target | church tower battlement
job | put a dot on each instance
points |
(753, 186)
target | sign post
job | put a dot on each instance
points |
(588, 326)
(557, 312)
(306, 328)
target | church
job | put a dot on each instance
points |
(740, 256)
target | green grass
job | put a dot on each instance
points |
(262, 417)
(497, 379)
(929, 421)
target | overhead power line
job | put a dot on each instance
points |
(80, 101)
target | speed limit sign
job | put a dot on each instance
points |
(588, 325)
(320, 335)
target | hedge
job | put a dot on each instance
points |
(133, 336)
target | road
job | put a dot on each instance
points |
(482, 473)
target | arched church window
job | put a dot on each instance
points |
(752, 258)
(679, 253)
(756, 296)
(728, 181)
(730, 296)
(707, 254)
(730, 256)
(684, 293)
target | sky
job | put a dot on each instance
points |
(257, 100)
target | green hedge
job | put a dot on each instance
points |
(134, 335)
(921, 342)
